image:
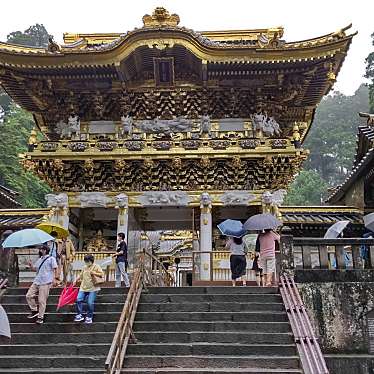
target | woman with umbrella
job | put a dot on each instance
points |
(266, 223)
(238, 263)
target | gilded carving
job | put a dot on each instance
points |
(49, 146)
(278, 143)
(134, 145)
(78, 146)
(249, 143)
(160, 17)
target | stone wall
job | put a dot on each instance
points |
(337, 302)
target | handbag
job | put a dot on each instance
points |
(97, 280)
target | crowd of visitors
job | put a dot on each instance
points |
(50, 266)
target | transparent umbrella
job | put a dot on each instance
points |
(336, 229)
(262, 221)
(369, 221)
(26, 238)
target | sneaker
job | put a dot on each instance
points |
(88, 320)
(40, 321)
(78, 318)
(33, 314)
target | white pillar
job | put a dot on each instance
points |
(205, 235)
(123, 215)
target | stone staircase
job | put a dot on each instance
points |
(179, 330)
(59, 345)
(212, 330)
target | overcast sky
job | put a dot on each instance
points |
(301, 19)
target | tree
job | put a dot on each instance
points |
(370, 74)
(35, 36)
(332, 138)
(332, 145)
(16, 130)
(16, 126)
(307, 189)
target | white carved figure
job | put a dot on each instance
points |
(205, 125)
(57, 200)
(272, 201)
(166, 126)
(205, 200)
(94, 199)
(170, 198)
(258, 119)
(122, 201)
(127, 123)
(268, 125)
(237, 198)
(271, 127)
(74, 125)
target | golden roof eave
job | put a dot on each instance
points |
(112, 54)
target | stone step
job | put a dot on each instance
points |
(209, 307)
(196, 298)
(201, 361)
(53, 370)
(223, 349)
(55, 349)
(195, 326)
(53, 299)
(212, 290)
(209, 370)
(63, 327)
(50, 361)
(65, 317)
(99, 307)
(213, 316)
(71, 337)
(211, 337)
(57, 290)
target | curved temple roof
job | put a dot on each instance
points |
(249, 68)
(161, 30)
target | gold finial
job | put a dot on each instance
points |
(330, 74)
(160, 17)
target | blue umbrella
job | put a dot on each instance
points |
(231, 227)
(26, 237)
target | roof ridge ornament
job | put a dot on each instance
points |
(160, 17)
(52, 45)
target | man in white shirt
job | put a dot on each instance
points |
(46, 276)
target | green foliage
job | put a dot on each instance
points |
(16, 130)
(332, 138)
(16, 126)
(332, 145)
(370, 74)
(35, 36)
(307, 189)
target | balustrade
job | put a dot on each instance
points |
(334, 254)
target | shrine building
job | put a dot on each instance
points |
(166, 128)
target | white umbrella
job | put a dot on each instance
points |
(369, 221)
(4, 323)
(336, 229)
